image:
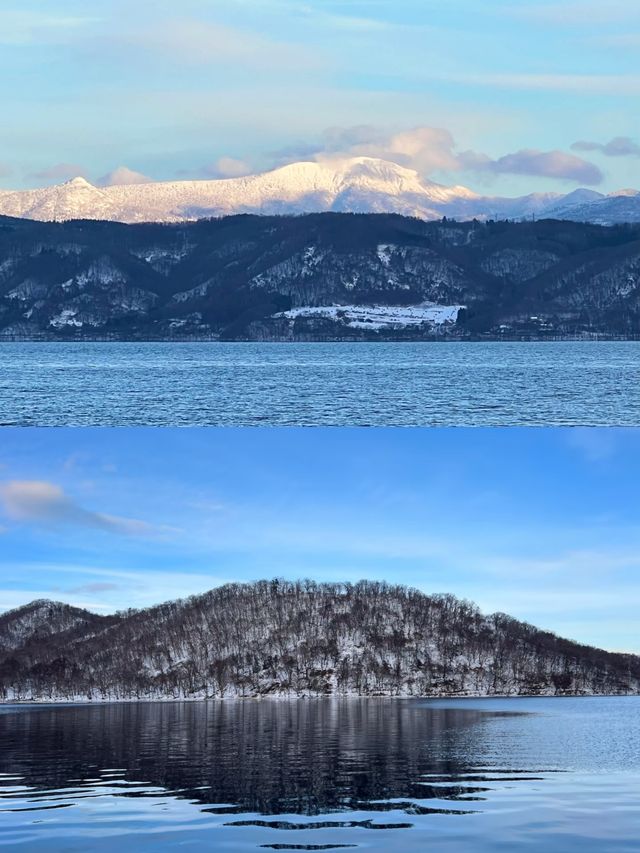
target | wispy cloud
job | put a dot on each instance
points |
(41, 501)
(356, 17)
(59, 172)
(566, 566)
(624, 40)
(22, 27)
(580, 84)
(577, 13)
(197, 42)
(105, 590)
(596, 445)
(96, 586)
(619, 146)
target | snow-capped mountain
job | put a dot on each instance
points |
(359, 184)
(615, 208)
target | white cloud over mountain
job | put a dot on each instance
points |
(433, 149)
(123, 175)
(226, 167)
(548, 164)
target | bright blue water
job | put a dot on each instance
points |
(552, 775)
(320, 384)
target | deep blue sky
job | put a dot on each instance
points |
(542, 524)
(201, 88)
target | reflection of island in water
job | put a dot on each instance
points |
(271, 757)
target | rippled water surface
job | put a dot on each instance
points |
(332, 383)
(379, 774)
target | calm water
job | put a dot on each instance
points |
(467, 775)
(330, 384)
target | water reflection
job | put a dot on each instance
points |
(306, 757)
(318, 774)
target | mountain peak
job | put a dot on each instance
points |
(40, 619)
(582, 194)
(36, 604)
(78, 181)
(40, 606)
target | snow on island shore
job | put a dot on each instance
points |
(379, 316)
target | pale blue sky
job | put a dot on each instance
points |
(542, 524)
(202, 88)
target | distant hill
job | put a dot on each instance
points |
(324, 276)
(277, 638)
(353, 185)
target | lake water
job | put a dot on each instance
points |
(380, 774)
(393, 384)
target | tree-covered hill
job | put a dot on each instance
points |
(296, 639)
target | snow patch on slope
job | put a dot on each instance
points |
(379, 316)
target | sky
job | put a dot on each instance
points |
(541, 524)
(503, 96)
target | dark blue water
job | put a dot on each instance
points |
(320, 384)
(463, 775)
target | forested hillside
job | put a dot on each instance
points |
(281, 638)
(318, 277)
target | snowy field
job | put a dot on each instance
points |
(380, 316)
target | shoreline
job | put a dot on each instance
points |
(521, 339)
(33, 703)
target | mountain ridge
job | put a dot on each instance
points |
(327, 276)
(297, 638)
(353, 185)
